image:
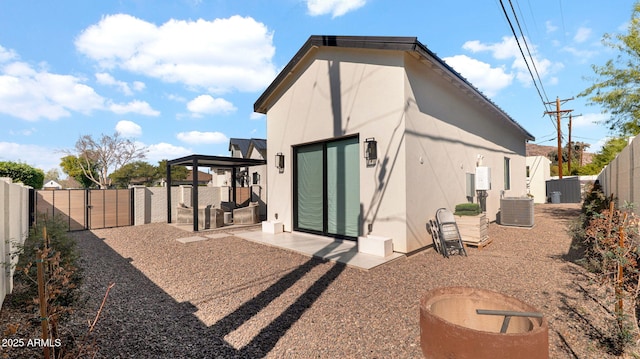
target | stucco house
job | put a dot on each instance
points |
(371, 135)
(51, 185)
(538, 173)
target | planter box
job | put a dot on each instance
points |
(374, 245)
(474, 230)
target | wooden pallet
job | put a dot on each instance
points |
(478, 244)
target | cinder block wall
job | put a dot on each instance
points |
(622, 176)
(14, 229)
(151, 202)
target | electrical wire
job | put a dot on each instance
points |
(533, 78)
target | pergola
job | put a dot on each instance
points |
(206, 161)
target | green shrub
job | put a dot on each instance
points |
(467, 209)
(21, 172)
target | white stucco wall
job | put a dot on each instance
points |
(428, 132)
(343, 93)
(539, 173)
(446, 132)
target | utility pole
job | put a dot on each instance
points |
(558, 112)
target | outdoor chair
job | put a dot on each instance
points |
(246, 215)
(445, 234)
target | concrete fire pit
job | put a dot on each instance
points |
(462, 322)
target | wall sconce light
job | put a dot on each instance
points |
(371, 150)
(256, 178)
(280, 162)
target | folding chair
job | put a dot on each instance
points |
(448, 235)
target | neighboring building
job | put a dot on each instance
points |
(203, 179)
(538, 173)
(51, 185)
(429, 126)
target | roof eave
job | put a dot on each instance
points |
(408, 44)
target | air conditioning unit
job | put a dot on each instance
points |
(516, 211)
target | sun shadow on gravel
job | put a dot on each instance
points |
(142, 320)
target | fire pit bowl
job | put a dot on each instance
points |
(463, 322)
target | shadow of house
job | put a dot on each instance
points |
(129, 324)
(430, 128)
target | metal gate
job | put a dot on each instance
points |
(82, 209)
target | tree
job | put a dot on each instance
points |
(71, 167)
(617, 87)
(22, 172)
(109, 153)
(609, 151)
(52, 175)
(138, 171)
(178, 173)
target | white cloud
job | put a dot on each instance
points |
(165, 151)
(582, 35)
(31, 94)
(589, 120)
(508, 49)
(550, 27)
(334, 7)
(583, 55)
(197, 137)
(207, 105)
(488, 79)
(257, 116)
(218, 55)
(25, 132)
(33, 155)
(105, 78)
(597, 146)
(128, 129)
(7, 55)
(138, 85)
(177, 98)
(139, 107)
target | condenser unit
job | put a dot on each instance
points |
(516, 211)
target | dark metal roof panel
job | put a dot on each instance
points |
(216, 161)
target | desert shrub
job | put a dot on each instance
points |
(55, 253)
(595, 202)
(611, 243)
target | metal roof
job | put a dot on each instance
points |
(215, 161)
(409, 44)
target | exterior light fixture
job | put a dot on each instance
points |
(256, 178)
(280, 161)
(371, 149)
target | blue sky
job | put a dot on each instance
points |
(180, 77)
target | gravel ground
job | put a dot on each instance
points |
(230, 298)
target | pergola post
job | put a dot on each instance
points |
(233, 186)
(194, 193)
(168, 184)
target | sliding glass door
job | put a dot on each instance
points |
(327, 188)
(310, 201)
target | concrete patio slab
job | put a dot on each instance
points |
(318, 246)
(191, 239)
(218, 235)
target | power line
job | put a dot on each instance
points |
(533, 61)
(533, 78)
